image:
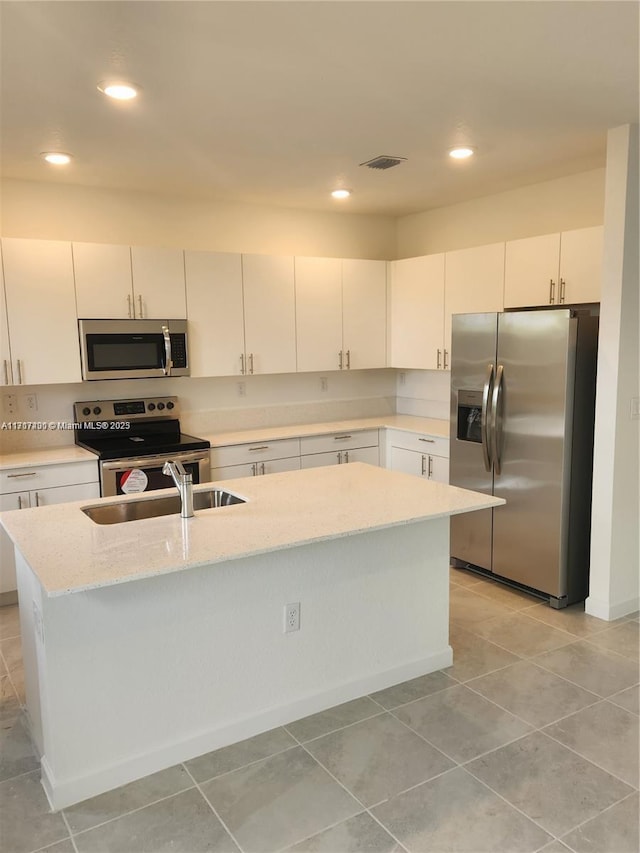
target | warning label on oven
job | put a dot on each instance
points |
(133, 480)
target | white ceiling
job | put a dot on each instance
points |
(278, 102)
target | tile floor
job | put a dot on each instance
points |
(528, 742)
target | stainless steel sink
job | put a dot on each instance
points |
(134, 510)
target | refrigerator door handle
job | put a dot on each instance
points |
(486, 394)
(496, 419)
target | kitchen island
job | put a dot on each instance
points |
(149, 642)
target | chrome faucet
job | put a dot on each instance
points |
(184, 485)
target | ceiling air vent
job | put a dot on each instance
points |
(383, 162)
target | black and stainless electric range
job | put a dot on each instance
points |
(133, 439)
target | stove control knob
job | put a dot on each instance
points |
(170, 405)
(151, 406)
(86, 411)
(97, 410)
(160, 406)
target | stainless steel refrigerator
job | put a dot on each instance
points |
(522, 416)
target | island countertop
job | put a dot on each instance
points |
(70, 553)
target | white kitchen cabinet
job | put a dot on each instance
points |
(215, 313)
(269, 314)
(5, 352)
(27, 487)
(417, 313)
(364, 313)
(554, 269)
(474, 283)
(158, 283)
(41, 311)
(254, 459)
(421, 455)
(104, 285)
(340, 313)
(319, 313)
(340, 448)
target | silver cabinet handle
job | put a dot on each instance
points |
(254, 469)
(19, 365)
(484, 423)
(250, 362)
(423, 470)
(242, 368)
(348, 359)
(168, 363)
(429, 440)
(37, 499)
(346, 456)
(562, 289)
(6, 373)
(262, 467)
(496, 427)
(129, 305)
(340, 359)
(261, 447)
(339, 457)
(446, 355)
(430, 470)
(438, 360)
(140, 306)
(341, 437)
(20, 502)
(26, 474)
(552, 291)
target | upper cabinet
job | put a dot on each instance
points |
(215, 313)
(340, 313)
(41, 311)
(474, 283)
(554, 269)
(417, 313)
(119, 282)
(269, 314)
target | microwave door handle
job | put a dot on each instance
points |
(168, 363)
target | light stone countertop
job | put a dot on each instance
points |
(70, 553)
(408, 423)
(46, 456)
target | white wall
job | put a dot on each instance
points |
(615, 556)
(576, 201)
(53, 211)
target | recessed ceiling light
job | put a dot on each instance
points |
(56, 158)
(118, 89)
(461, 153)
(341, 193)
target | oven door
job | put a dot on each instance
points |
(144, 474)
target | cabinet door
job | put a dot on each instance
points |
(158, 283)
(65, 494)
(408, 461)
(581, 265)
(269, 313)
(319, 460)
(277, 465)
(474, 283)
(531, 271)
(439, 467)
(370, 455)
(17, 500)
(215, 313)
(231, 472)
(103, 280)
(417, 312)
(5, 352)
(364, 313)
(41, 310)
(318, 313)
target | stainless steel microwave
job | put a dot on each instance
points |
(133, 349)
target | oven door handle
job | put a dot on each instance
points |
(153, 461)
(168, 363)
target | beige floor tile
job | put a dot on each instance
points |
(616, 829)
(9, 622)
(11, 651)
(596, 669)
(521, 635)
(239, 754)
(17, 755)
(503, 594)
(334, 718)
(572, 619)
(415, 688)
(464, 578)
(355, 835)
(467, 609)
(27, 822)
(628, 699)
(623, 639)
(9, 701)
(473, 656)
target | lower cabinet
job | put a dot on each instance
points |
(340, 448)
(54, 484)
(421, 455)
(254, 460)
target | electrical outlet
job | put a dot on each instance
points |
(242, 389)
(402, 377)
(30, 403)
(10, 404)
(292, 617)
(324, 383)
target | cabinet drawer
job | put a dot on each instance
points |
(47, 476)
(339, 441)
(433, 444)
(255, 469)
(341, 457)
(259, 451)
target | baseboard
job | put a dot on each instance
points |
(66, 792)
(608, 611)
(7, 598)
